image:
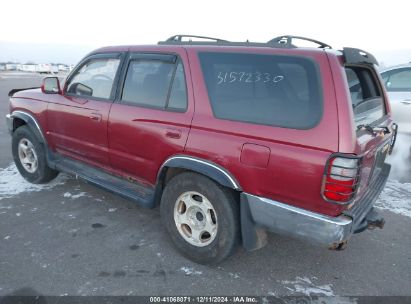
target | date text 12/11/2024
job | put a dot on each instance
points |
(230, 77)
(204, 299)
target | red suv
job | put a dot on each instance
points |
(231, 139)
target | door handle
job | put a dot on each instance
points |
(173, 133)
(96, 117)
(406, 101)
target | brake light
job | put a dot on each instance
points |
(341, 179)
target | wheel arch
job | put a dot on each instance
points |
(207, 168)
(20, 118)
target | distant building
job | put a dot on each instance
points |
(30, 67)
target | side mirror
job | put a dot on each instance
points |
(51, 85)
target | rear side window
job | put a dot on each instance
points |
(273, 90)
(367, 102)
(398, 81)
(156, 84)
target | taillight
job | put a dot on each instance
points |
(341, 179)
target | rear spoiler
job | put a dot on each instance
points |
(11, 93)
(357, 56)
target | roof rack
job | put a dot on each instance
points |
(288, 40)
(351, 55)
(179, 38)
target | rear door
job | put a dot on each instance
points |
(151, 119)
(398, 85)
(370, 112)
(77, 119)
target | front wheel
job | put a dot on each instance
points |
(201, 217)
(30, 157)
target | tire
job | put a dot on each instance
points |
(195, 203)
(35, 151)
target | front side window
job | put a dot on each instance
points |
(94, 79)
(156, 84)
(367, 102)
(273, 90)
(398, 81)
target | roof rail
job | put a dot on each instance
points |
(288, 40)
(179, 38)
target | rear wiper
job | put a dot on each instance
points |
(374, 130)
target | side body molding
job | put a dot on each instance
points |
(30, 121)
(205, 167)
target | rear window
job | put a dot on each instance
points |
(273, 90)
(367, 102)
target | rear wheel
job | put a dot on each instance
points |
(30, 157)
(201, 217)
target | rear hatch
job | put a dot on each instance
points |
(371, 122)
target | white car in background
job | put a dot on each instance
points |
(397, 81)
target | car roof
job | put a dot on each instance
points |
(395, 67)
(200, 42)
(193, 46)
(213, 48)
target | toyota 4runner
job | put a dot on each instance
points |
(230, 139)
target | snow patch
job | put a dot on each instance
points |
(112, 209)
(74, 196)
(234, 275)
(12, 183)
(190, 271)
(396, 198)
(305, 286)
(7, 237)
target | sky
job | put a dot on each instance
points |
(66, 31)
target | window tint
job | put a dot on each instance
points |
(263, 89)
(148, 83)
(398, 80)
(95, 78)
(367, 103)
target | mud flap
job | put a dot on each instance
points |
(253, 237)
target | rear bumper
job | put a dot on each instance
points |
(365, 205)
(259, 213)
(9, 122)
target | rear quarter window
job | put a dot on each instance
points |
(273, 90)
(366, 98)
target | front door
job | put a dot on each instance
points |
(77, 120)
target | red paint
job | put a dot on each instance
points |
(255, 155)
(282, 164)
